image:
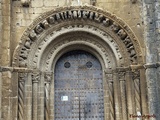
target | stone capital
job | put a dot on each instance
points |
(35, 77)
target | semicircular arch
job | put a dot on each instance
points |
(55, 23)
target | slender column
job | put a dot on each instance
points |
(143, 89)
(35, 80)
(137, 92)
(109, 99)
(117, 96)
(21, 81)
(123, 97)
(41, 98)
(130, 93)
(48, 78)
(51, 100)
(28, 98)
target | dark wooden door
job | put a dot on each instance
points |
(78, 87)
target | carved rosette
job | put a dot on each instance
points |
(48, 78)
(96, 16)
(22, 78)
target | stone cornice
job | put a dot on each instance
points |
(120, 69)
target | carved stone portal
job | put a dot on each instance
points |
(93, 31)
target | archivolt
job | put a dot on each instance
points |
(123, 43)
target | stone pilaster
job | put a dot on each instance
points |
(150, 34)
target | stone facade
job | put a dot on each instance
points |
(25, 29)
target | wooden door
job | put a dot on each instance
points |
(78, 87)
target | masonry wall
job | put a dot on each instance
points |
(23, 16)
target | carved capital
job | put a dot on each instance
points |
(22, 77)
(35, 77)
(136, 75)
(48, 77)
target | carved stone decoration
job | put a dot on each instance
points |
(91, 15)
(57, 16)
(79, 14)
(122, 34)
(24, 55)
(85, 14)
(33, 35)
(75, 14)
(35, 77)
(136, 79)
(48, 77)
(38, 29)
(115, 27)
(28, 43)
(45, 24)
(70, 16)
(98, 17)
(111, 101)
(51, 20)
(106, 22)
(25, 3)
(21, 81)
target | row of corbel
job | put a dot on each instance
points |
(118, 69)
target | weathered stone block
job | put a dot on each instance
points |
(37, 3)
(51, 3)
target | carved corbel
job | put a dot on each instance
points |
(25, 3)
